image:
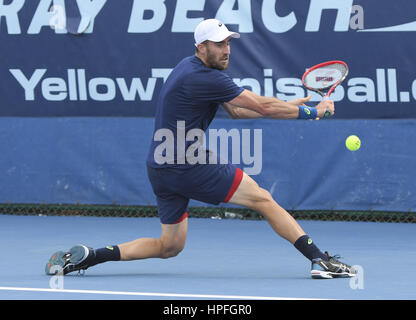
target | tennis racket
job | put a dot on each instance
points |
(324, 78)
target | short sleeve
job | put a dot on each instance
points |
(213, 86)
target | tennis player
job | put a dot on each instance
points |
(191, 96)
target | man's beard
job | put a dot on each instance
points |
(214, 63)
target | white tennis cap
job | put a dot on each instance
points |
(213, 30)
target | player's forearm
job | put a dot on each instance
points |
(278, 109)
(269, 107)
(240, 113)
(243, 113)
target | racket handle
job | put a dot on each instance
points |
(327, 113)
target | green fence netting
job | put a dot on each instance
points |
(199, 212)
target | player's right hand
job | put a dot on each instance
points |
(325, 105)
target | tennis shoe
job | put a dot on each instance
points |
(78, 258)
(331, 268)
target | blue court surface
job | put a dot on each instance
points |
(223, 259)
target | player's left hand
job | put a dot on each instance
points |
(323, 106)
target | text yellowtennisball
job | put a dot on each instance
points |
(353, 143)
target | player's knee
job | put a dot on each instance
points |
(261, 198)
(171, 250)
(267, 196)
(259, 194)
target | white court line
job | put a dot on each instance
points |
(151, 294)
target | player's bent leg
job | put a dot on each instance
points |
(249, 194)
(80, 257)
(173, 238)
(171, 243)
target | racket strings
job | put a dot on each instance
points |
(325, 76)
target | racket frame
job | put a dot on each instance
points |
(331, 87)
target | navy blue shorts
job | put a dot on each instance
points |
(209, 183)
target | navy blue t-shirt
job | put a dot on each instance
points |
(189, 99)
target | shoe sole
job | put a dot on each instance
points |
(55, 264)
(319, 274)
(78, 253)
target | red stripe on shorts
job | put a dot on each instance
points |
(237, 180)
(185, 215)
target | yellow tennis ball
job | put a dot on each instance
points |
(353, 143)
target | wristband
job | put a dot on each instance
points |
(307, 112)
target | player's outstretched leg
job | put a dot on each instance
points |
(80, 257)
(249, 194)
